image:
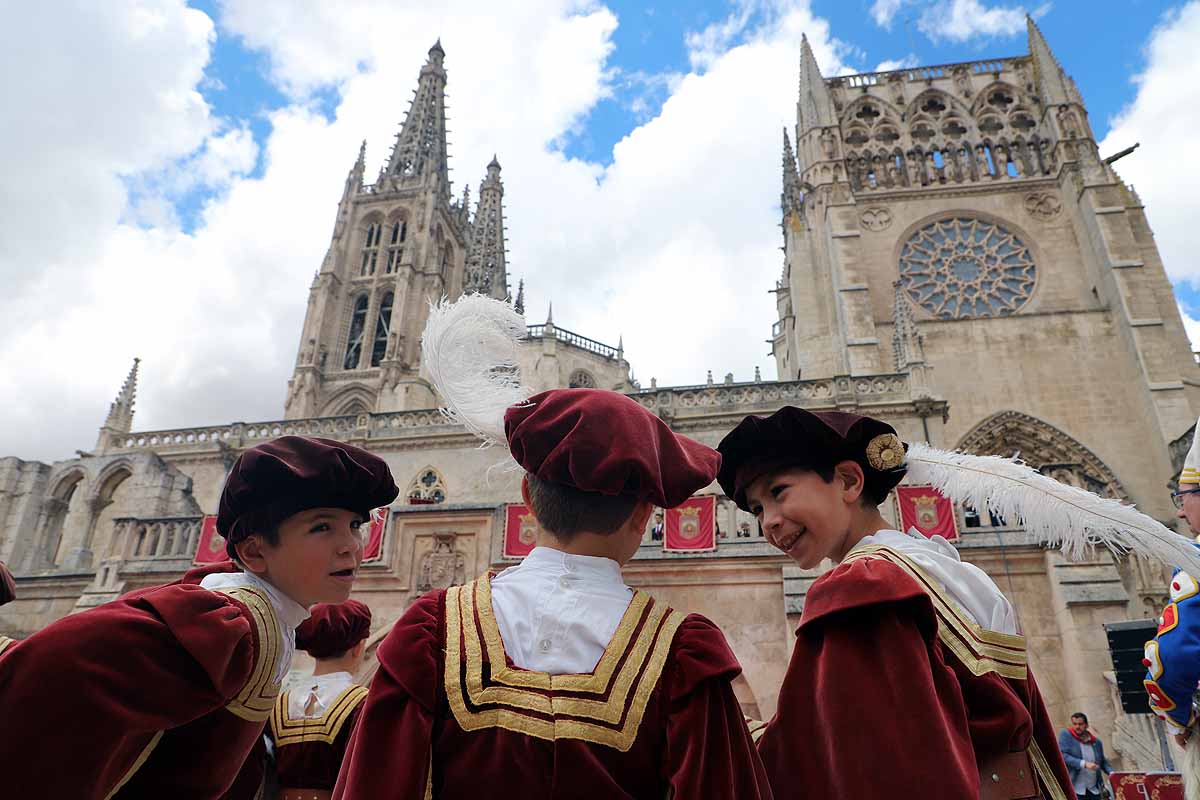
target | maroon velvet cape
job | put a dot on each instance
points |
(161, 693)
(892, 691)
(309, 752)
(449, 716)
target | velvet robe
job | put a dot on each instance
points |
(892, 691)
(449, 716)
(309, 752)
(161, 693)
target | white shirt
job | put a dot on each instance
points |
(287, 611)
(972, 589)
(325, 687)
(557, 612)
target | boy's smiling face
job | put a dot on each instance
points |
(315, 558)
(802, 514)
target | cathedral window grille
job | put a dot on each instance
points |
(396, 246)
(427, 488)
(581, 379)
(370, 249)
(445, 259)
(383, 325)
(964, 267)
(354, 342)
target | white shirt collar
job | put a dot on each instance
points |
(289, 613)
(330, 678)
(595, 568)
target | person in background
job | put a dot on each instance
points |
(1084, 753)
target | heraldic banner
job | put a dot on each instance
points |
(692, 527)
(927, 510)
(1140, 785)
(373, 549)
(211, 547)
(520, 531)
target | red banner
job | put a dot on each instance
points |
(1140, 785)
(211, 547)
(520, 531)
(692, 527)
(927, 510)
(373, 549)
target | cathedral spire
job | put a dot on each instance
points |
(120, 413)
(1052, 83)
(355, 178)
(486, 270)
(908, 344)
(792, 199)
(519, 305)
(814, 109)
(419, 156)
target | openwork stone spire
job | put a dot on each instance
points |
(815, 106)
(792, 199)
(486, 270)
(120, 413)
(1052, 82)
(519, 305)
(419, 157)
(908, 345)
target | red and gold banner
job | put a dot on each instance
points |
(1140, 785)
(211, 547)
(373, 549)
(692, 526)
(927, 510)
(520, 531)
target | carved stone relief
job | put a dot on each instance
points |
(876, 219)
(1042, 205)
(443, 566)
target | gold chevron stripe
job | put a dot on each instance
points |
(257, 698)
(137, 764)
(324, 728)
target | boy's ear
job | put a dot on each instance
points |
(525, 492)
(250, 554)
(641, 515)
(853, 481)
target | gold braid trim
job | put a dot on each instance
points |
(429, 778)
(137, 764)
(6, 642)
(647, 656)
(1042, 767)
(256, 700)
(325, 728)
(756, 727)
(980, 650)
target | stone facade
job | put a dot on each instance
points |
(959, 261)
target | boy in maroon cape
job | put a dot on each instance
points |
(311, 724)
(553, 679)
(165, 691)
(908, 677)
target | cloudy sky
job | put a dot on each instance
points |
(171, 170)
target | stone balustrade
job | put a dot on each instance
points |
(930, 73)
(674, 402)
(165, 538)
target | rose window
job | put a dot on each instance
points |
(963, 267)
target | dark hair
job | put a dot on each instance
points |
(1080, 715)
(564, 511)
(264, 525)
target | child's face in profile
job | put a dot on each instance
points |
(801, 514)
(317, 555)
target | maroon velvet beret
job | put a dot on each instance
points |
(272, 481)
(332, 629)
(604, 442)
(8, 587)
(793, 437)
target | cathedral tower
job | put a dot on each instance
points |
(398, 243)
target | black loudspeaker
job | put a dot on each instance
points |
(1127, 645)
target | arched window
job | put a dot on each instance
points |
(427, 488)
(581, 379)
(383, 324)
(358, 321)
(396, 245)
(371, 249)
(445, 258)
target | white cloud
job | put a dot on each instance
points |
(884, 11)
(1191, 326)
(678, 235)
(888, 65)
(1164, 117)
(967, 19)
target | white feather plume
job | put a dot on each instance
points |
(469, 349)
(1052, 512)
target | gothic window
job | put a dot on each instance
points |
(370, 249)
(922, 132)
(354, 342)
(427, 488)
(1023, 122)
(933, 106)
(990, 125)
(1000, 99)
(953, 128)
(964, 267)
(856, 137)
(396, 245)
(445, 259)
(383, 324)
(581, 379)
(887, 135)
(868, 114)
